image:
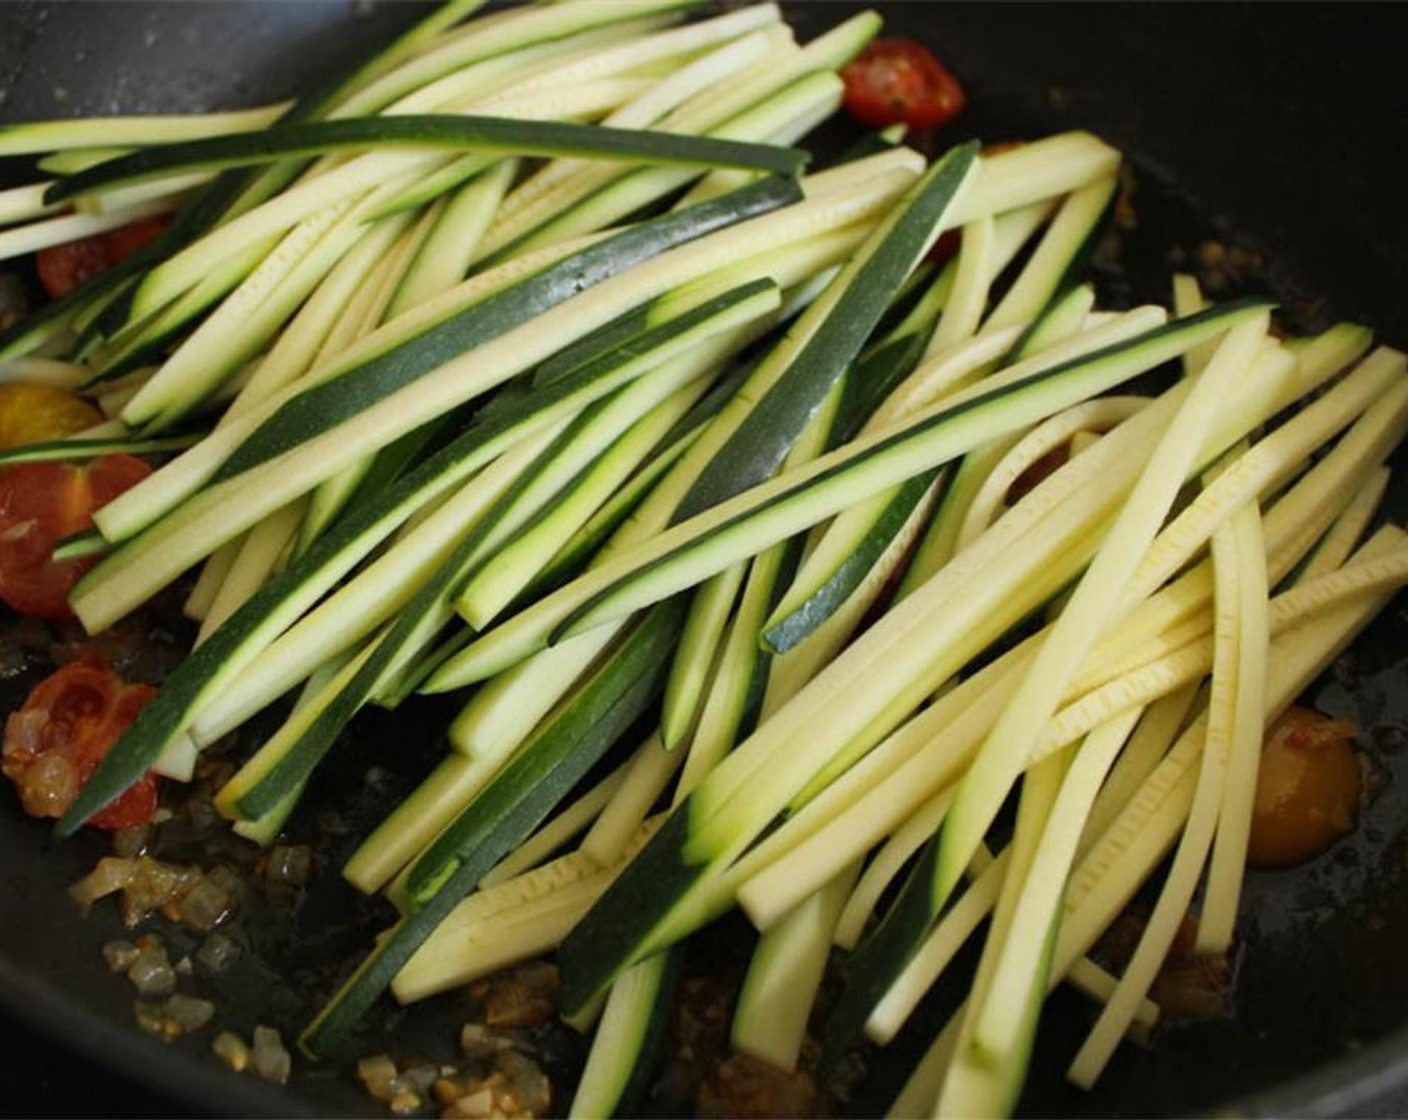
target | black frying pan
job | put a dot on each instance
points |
(1285, 128)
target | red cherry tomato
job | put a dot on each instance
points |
(40, 504)
(62, 268)
(899, 81)
(67, 725)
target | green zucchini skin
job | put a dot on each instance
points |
(323, 406)
(871, 380)
(409, 634)
(618, 332)
(30, 332)
(582, 726)
(602, 943)
(755, 451)
(591, 610)
(432, 131)
(643, 1069)
(573, 559)
(77, 450)
(181, 694)
(600, 710)
(236, 190)
(293, 769)
(881, 957)
(661, 891)
(75, 546)
(793, 629)
(627, 916)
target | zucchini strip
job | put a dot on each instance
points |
(784, 974)
(31, 238)
(76, 450)
(432, 336)
(632, 1027)
(1241, 602)
(375, 594)
(426, 613)
(488, 39)
(321, 407)
(798, 499)
(723, 815)
(1334, 548)
(599, 711)
(275, 607)
(23, 204)
(422, 133)
(829, 334)
(1093, 607)
(885, 866)
(1131, 848)
(1379, 378)
(853, 541)
(115, 132)
(258, 557)
(206, 520)
(650, 771)
(443, 260)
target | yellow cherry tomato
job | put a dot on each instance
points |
(35, 413)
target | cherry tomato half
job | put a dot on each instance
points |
(67, 725)
(40, 504)
(62, 268)
(1307, 790)
(899, 81)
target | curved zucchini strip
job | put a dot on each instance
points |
(431, 131)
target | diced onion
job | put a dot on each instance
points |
(268, 1057)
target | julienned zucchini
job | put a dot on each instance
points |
(628, 1038)
(801, 621)
(869, 384)
(234, 191)
(844, 557)
(211, 668)
(664, 884)
(324, 406)
(413, 60)
(61, 450)
(832, 331)
(483, 134)
(412, 353)
(796, 500)
(418, 623)
(598, 711)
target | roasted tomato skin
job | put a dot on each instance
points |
(1308, 789)
(67, 725)
(899, 81)
(40, 505)
(64, 268)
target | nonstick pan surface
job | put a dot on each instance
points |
(1281, 128)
